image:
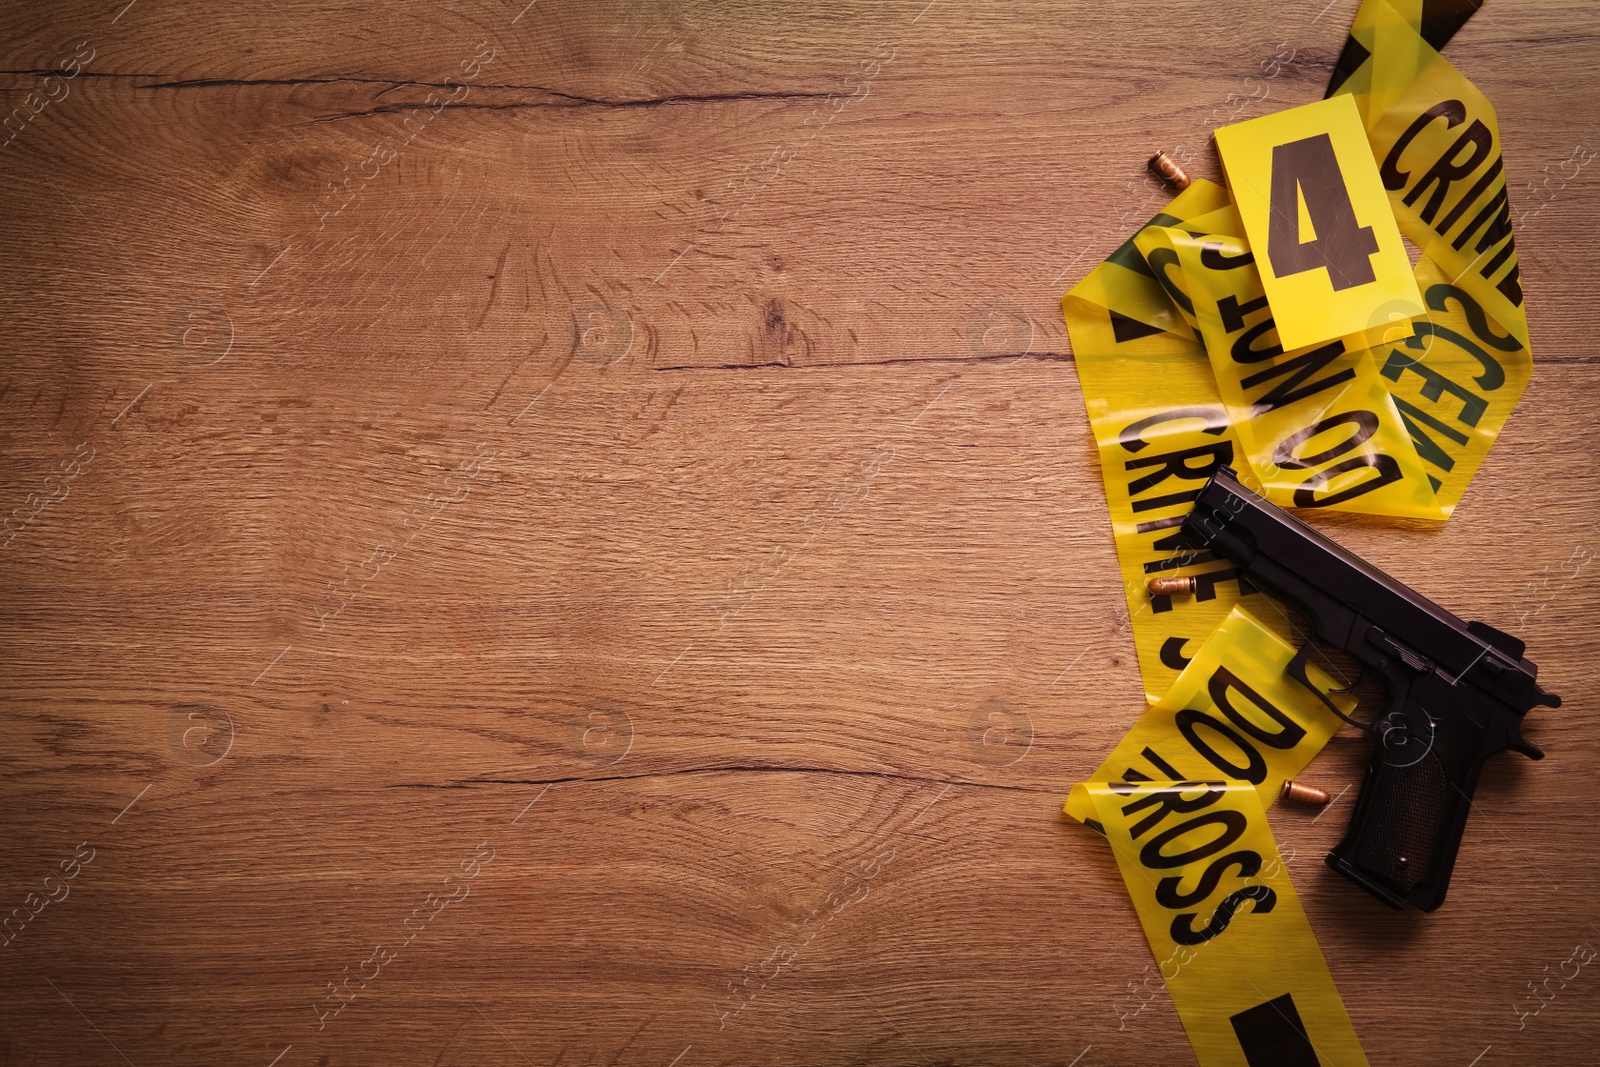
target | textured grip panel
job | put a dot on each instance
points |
(1408, 809)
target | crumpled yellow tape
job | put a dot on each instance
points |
(1316, 423)
(1161, 428)
(1126, 286)
(1182, 801)
(1232, 708)
(1166, 408)
(1437, 142)
(1262, 956)
(1454, 381)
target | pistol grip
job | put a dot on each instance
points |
(1403, 837)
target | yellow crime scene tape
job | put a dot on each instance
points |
(1182, 801)
(1277, 327)
(1392, 420)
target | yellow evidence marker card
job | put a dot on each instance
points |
(1319, 221)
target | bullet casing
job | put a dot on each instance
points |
(1175, 586)
(1166, 168)
(1299, 793)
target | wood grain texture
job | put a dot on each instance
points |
(626, 499)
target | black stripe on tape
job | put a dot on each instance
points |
(1124, 329)
(1350, 60)
(1442, 18)
(1439, 20)
(1272, 1035)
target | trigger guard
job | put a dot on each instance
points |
(1297, 671)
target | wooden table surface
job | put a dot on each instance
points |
(568, 534)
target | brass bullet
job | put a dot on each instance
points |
(1172, 586)
(1166, 168)
(1304, 794)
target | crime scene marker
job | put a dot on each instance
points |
(1318, 219)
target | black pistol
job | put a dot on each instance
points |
(1457, 691)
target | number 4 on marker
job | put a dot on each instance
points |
(1316, 213)
(1308, 169)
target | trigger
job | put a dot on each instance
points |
(1297, 671)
